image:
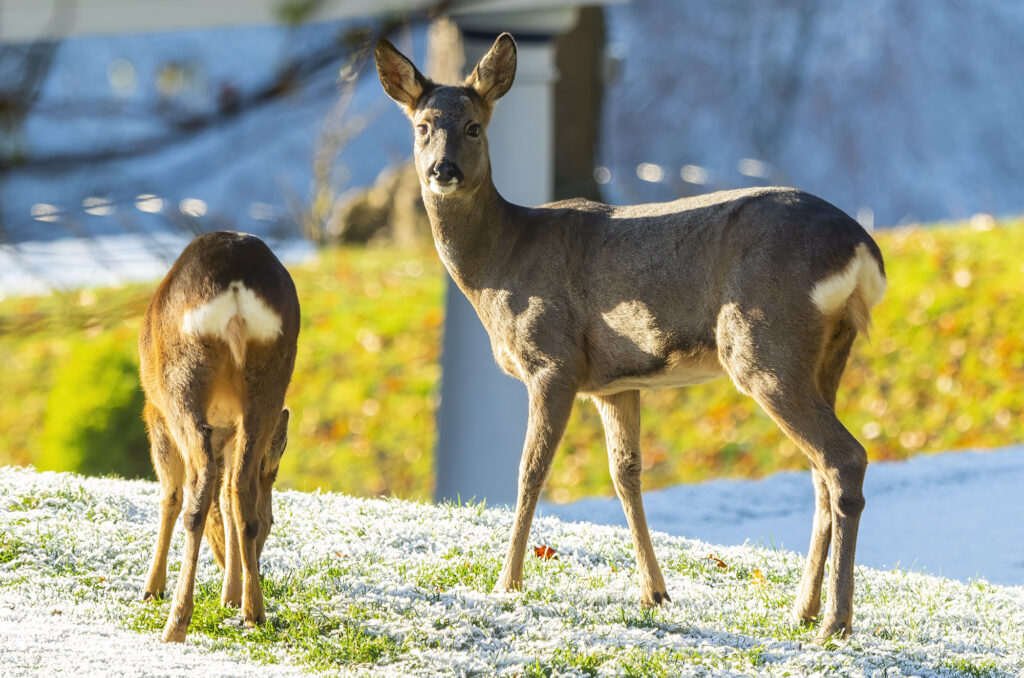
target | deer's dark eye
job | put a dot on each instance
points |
(473, 130)
(422, 130)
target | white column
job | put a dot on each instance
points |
(482, 420)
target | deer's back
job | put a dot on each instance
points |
(648, 281)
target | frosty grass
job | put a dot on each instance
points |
(387, 587)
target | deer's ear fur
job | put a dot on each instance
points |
(495, 71)
(400, 79)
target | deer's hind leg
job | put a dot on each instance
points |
(620, 415)
(263, 407)
(170, 470)
(779, 367)
(839, 339)
(194, 437)
(221, 533)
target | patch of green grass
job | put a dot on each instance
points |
(969, 669)
(640, 618)
(10, 547)
(651, 663)
(479, 573)
(63, 497)
(587, 663)
(755, 655)
(296, 625)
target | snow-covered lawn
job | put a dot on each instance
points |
(957, 514)
(398, 588)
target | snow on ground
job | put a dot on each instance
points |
(958, 515)
(386, 587)
(38, 267)
(61, 639)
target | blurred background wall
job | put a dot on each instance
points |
(895, 111)
(116, 148)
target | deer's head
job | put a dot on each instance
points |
(449, 121)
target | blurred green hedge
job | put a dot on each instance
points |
(93, 419)
(944, 370)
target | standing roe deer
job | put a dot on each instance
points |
(767, 285)
(217, 348)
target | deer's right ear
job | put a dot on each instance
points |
(400, 79)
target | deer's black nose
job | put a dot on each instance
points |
(446, 172)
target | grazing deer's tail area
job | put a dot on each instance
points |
(235, 316)
(857, 287)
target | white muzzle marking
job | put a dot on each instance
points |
(443, 189)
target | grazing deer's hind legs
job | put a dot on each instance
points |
(620, 414)
(200, 480)
(254, 439)
(256, 436)
(551, 402)
(171, 471)
(231, 591)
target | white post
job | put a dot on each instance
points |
(482, 421)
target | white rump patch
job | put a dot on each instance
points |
(213, 317)
(862, 273)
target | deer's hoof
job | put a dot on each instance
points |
(152, 596)
(174, 633)
(805, 611)
(655, 599)
(831, 631)
(228, 600)
(508, 585)
(253, 623)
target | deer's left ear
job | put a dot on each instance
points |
(400, 79)
(496, 70)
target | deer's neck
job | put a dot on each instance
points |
(473, 233)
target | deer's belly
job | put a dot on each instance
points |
(678, 371)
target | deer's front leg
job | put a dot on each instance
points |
(551, 401)
(620, 414)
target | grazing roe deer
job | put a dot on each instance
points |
(217, 348)
(767, 285)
